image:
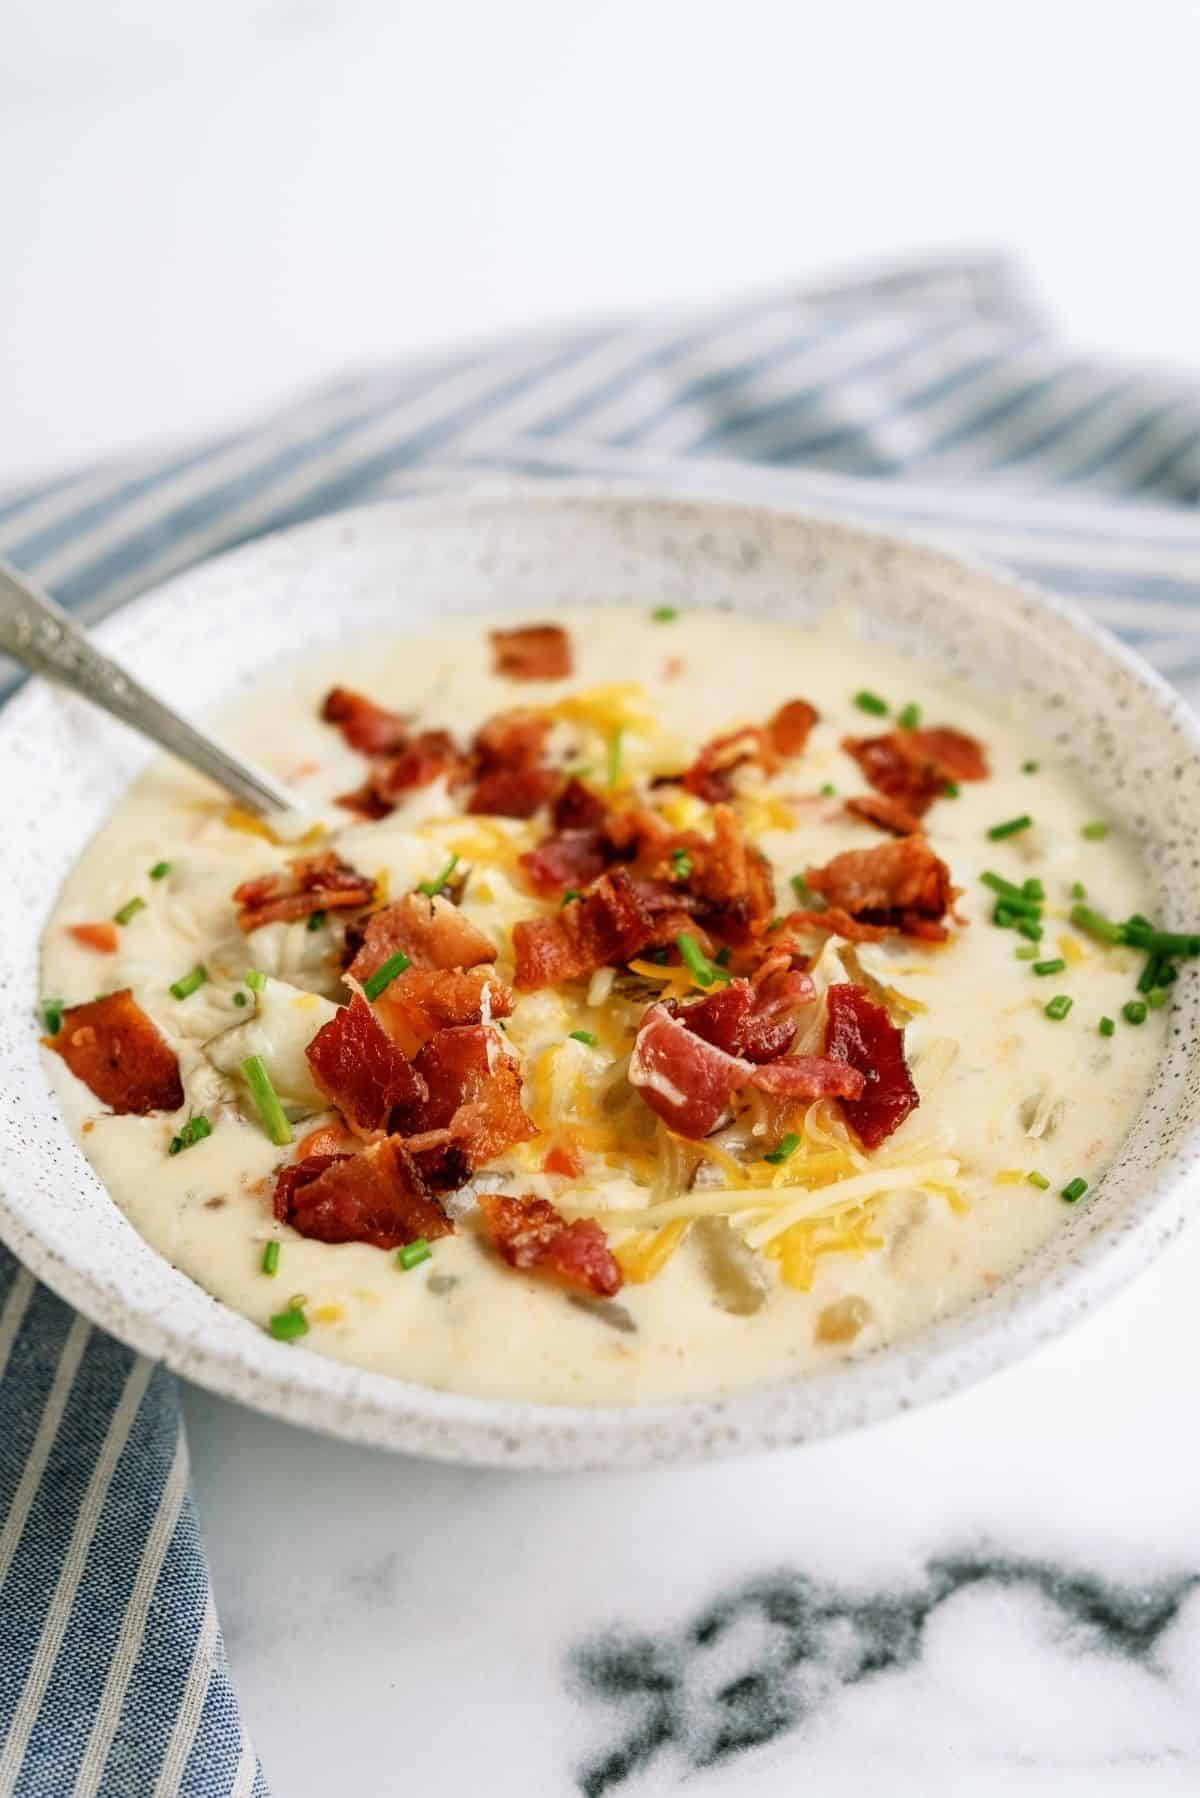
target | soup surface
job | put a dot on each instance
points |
(642, 1007)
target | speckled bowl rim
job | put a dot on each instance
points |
(230, 1356)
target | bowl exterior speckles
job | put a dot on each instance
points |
(542, 550)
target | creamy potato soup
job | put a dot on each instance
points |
(636, 1008)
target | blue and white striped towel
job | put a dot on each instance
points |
(932, 398)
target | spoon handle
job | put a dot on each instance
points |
(40, 635)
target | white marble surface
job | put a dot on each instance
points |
(396, 1625)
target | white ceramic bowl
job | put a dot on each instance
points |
(542, 550)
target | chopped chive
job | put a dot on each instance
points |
(383, 976)
(784, 1149)
(267, 1099)
(1059, 1006)
(614, 755)
(681, 864)
(194, 1131)
(1157, 997)
(1029, 927)
(413, 1253)
(1095, 924)
(1010, 827)
(723, 957)
(909, 716)
(1078, 890)
(1134, 1011)
(701, 969)
(829, 791)
(1038, 1180)
(871, 702)
(431, 888)
(571, 893)
(287, 1325)
(665, 614)
(1030, 767)
(256, 980)
(270, 1258)
(1025, 951)
(160, 870)
(1094, 833)
(129, 910)
(1074, 1189)
(316, 920)
(1054, 966)
(183, 988)
(52, 1010)
(1107, 1027)
(1033, 889)
(239, 998)
(950, 789)
(585, 1036)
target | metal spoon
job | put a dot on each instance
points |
(41, 635)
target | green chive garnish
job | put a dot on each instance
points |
(239, 998)
(1095, 924)
(614, 755)
(702, 970)
(829, 791)
(182, 989)
(160, 870)
(1059, 1006)
(194, 1131)
(571, 893)
(908, 717)
(431, 888)
(1038, 1180)
(1107, 1027)
(1010, 827)
(1029, 767)
(1074, 1189)
(316, 920)
(951, 789)
(1025, 951)
(871, 702)
(785, 1148)
(1094, 833)
(255, 980)
(52, 1010)
(129, 910)
(1055, 966)
(1078, 890)
(1134, 1011)
(586, 1037)
(267, 1099)
(287, 1325)
(665, 614)
(413, 1253)
(383, 976)
(681, 864)
(270, 1258)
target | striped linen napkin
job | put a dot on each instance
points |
(931, 398)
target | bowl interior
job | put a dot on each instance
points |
(540, 551)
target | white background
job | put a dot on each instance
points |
(206, 204)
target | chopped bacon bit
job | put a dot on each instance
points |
(860, 1033)
(433, 755)
(913, 766)
(116, 1050)
(791, 727)
(432, 932)
(474, 1091)
(578, 808)
(564, 1158)
(835, 921)
(359, 1068)
(531, 1235)
(365, 726)
(809, 1077)
(377, 1197)
(900, 886)
(888, 814)
(573, 858)
(513, 792)
(316, 883)
(710, 776)
(610, 923)
(532, 652)
(102, 938)
(422, 1001)
(687, 1080)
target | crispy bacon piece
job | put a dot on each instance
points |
(366, 726)
(315, 883)
(473, 1088)
(860, 1033)
(791, 727)
(578, 808)
(572, 858)
(531, 1235)
(888, 814)
(532, 652)
(900, 886)
(809, 1077)
(377, 1197)
(913, 766)
(422, 1001)
(433, 933)
(116, 1050)
(610, 923)
(683, 1077)
(102, 938)
(359, 1068)
(513, 792)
